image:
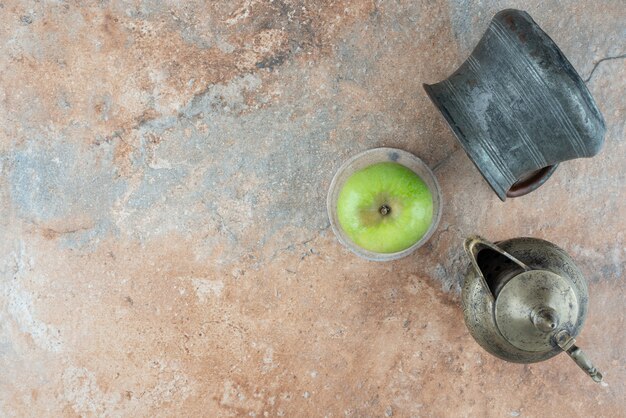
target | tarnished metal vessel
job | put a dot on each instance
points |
(524, 300)
(518, 107)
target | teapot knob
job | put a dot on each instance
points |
(545, 319)
(566, 342)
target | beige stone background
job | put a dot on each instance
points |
(164, 246)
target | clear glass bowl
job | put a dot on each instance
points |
(365, 159)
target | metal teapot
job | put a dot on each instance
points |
(524, 300)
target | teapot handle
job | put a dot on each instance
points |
(566, 342)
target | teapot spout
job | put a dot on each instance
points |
(492, 264)
(475, 244)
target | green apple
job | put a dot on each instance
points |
(385, 208)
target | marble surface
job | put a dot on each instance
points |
(165, 249)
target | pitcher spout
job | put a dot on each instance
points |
(491, 263)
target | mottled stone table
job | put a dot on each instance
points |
(165, 249)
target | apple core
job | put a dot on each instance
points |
(385, 207)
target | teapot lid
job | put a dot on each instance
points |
(533, 306)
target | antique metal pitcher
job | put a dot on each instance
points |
(518, 107)
(524, 300)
